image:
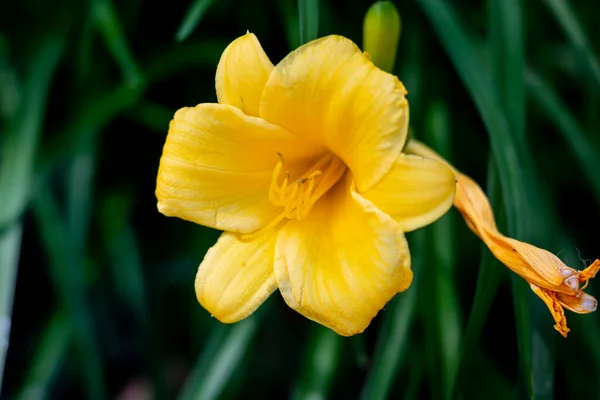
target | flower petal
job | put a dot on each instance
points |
(415, 192)
(343, 263)
(581, 304)
(242, 73)
(331, 94)
(217, 164)
(556, 309)
(236, 276)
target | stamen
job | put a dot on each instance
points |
(284, 186)
(297, 199)
(273, 187)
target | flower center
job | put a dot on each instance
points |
(298, 197)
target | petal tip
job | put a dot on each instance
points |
(589, 304)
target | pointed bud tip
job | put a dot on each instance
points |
(381, 33)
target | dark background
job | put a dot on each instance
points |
(104, 304)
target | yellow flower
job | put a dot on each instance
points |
(301, 165)
(556, 284)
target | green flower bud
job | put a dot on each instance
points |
(381, 32)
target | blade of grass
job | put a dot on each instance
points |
(533, 337)
(487, 380)
(524, 332)
(320, 365)
(126, 268)
(97, 110)
(85, 44)
(308, 20)
(18, 145)
(478, 83)
(568, 22)
(392, 342)
(289, 15)
(10, 87)
(586, 154)
(79, 196)
(222, 355)
(512, 171)
(125, 258)
(507, 43)
(107, 22)
(49, 355)
(66, 269)
(446, 307)
(153, 116)
(490, 274)
(416, 378)
(10, 245)
(192, 18)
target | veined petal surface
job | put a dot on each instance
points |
(242, 73)
(415, 192)
(217, 164)
(343, 263)
(332, 95)
(236, 276)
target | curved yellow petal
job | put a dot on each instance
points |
(236, 276)
(343, 263)
(331, 94)
(216, 167)
(242, 73)
(415, 192)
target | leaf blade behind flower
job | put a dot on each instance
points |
(308, 19)
(192, 18)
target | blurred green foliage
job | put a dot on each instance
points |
(96, 287)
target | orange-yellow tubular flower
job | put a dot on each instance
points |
(556, 284)
(301, 165)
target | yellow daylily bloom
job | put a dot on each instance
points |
(301, 165)
(558, 285)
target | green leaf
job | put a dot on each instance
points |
(322, 357)
(10, 87)
(107, 21)
(393, 339)
(568, 22)
(97, 111)
(515, 174)
(153, 116)
(584, 150)
(489, 276)
(10, 246)
(535, 355)
(507, 43)
(192, 18)
(222, 356)
(127, 274)
(289, 13)
(478, 82)
(308, 18)
(49, 354)
(18, 149)
(66, 269)
(125, 260)
(445, 305)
